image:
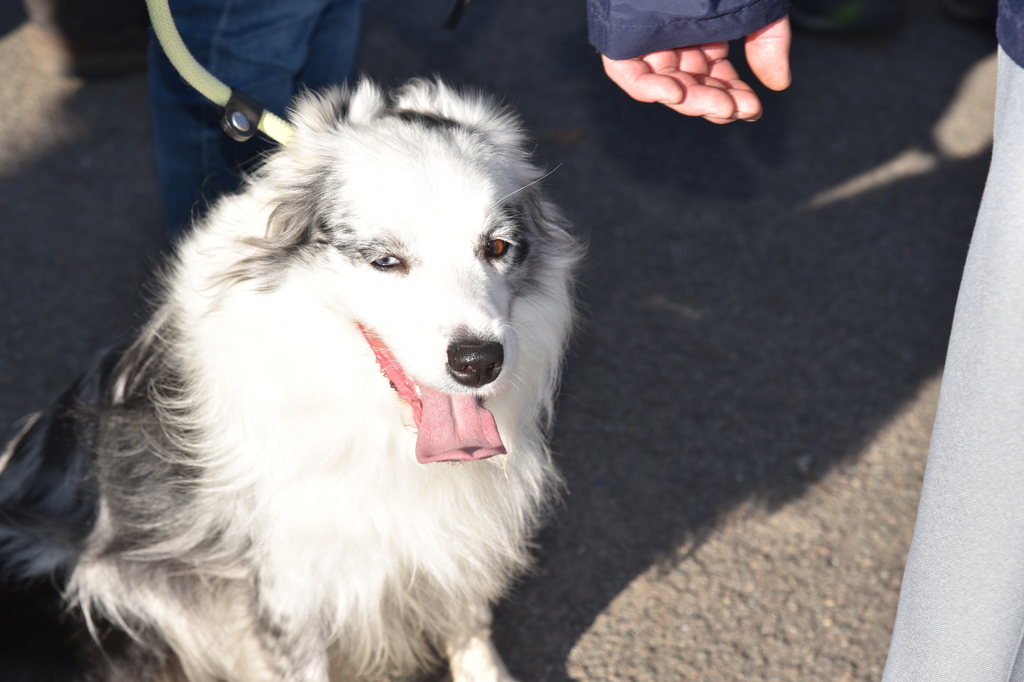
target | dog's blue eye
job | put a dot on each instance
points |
(386, 262)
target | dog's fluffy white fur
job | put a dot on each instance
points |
(259, 512)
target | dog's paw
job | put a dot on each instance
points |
(476, 660)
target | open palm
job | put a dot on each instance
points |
(701, 81)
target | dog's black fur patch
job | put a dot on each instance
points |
(48, 498)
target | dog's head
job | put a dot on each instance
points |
(424, 208)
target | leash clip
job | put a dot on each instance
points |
(241, 116)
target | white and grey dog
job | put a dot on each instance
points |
(324, 456)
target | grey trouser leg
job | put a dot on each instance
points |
(961, 610)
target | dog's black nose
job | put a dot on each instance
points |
(474, 363)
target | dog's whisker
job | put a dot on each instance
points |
(543, 177)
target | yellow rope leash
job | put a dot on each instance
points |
(243, 109)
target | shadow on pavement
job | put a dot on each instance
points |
(737, 343)
(12, 15)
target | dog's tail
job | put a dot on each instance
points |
(48, 505)
(48, 500)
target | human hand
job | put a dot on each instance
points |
(701, 81)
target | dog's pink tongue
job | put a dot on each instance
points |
(455, 427)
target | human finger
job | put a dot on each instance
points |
(693, 60)
(767, 51)
(635, 78)
(746, 105)
(724, 70)
(714, 52)
(706, 101)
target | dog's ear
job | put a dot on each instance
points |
(315, 113)
(301, 172)
(431, 101)
(294, 230)
(294, 227)
(544, 221)
(319, 112)
(297, 217)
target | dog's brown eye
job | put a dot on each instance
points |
(496, 248)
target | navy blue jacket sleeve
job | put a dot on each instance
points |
(622, 29)
(1010, 29)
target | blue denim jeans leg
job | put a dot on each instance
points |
(269, 49)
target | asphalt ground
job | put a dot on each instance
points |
(747, 405)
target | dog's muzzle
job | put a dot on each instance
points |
(451, 427)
